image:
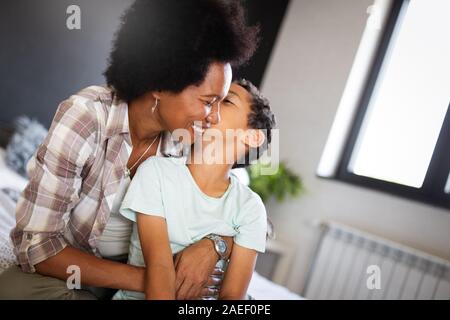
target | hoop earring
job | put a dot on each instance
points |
(156, 104)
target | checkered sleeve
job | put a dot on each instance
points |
(55, 173)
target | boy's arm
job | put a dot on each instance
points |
(160, 272)
(238, 274)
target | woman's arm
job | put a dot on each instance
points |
(238, 274)
(159, 280)
(53, 190)
(94, 271)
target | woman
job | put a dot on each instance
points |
(169, 68)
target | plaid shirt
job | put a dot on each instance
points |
(74, 176)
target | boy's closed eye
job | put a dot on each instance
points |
(233, 97)
(228, 102)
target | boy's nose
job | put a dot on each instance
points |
(214, 115)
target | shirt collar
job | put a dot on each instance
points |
(117, 122)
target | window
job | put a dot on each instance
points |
(395, 136)
(447, 185)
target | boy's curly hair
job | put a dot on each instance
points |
(260, 117)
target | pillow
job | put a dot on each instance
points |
(12, 194)
(8, 177)
(28, 135)
(7, 222)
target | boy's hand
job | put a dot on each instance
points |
(193, 267)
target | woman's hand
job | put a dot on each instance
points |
(194, 266)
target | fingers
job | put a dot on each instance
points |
(218, 272)
(194, 292)
(206, 292)
(189, 290)
(184, 292)
(177, 260)
(209, 292)
(179, 279)
(194, 273)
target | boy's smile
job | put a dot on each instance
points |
(230, 139)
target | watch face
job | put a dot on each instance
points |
(222, 246)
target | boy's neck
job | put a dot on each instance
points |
(212, 179)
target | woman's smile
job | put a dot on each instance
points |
(198, 127)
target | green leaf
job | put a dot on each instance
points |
(284, 183)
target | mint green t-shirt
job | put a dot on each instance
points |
(164, 187)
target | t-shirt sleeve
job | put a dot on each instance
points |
(144, 192)
(252, 225)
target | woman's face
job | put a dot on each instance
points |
(196, 107)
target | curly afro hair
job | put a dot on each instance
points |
(169, 45)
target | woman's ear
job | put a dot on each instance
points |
(254, 138)
(156, 95)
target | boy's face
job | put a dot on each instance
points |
(234, 109)
(231, 134)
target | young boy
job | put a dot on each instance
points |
(175, 204)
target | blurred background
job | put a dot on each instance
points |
(361, 94)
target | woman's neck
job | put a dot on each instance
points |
(144, 125)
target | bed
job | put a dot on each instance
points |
(11, 183)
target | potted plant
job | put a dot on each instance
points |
(282, 185)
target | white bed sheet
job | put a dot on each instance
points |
(12, 180)
(262, 288)
(8, 177)
(7, 222)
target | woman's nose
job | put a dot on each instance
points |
(214, 116)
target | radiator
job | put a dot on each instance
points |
(352, 264)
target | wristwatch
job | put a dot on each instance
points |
(220, 245)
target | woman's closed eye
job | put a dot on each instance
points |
(209, 104)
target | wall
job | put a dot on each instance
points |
(42, 62)
(304, 80)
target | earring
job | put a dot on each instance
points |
(156, 104)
